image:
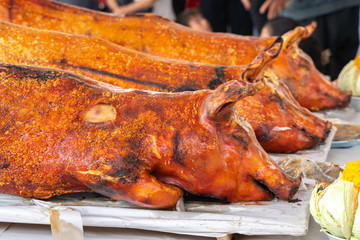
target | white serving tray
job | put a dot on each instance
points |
(276, 217)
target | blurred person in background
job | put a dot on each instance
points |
(337, 30)
(226, 16)
(181, 5)
(192, 18)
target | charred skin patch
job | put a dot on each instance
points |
(182, 89)
(214, 83)
(132, 159)
(134, 143)
(4, 164)
(22, 73)
(123, 78)
(220, 72)
(126, 168)
(63, 61)
(177, 155)
(262, 133)
(220, 75)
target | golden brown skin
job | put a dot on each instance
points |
(159, 36)
(144, 147)
(273, 113)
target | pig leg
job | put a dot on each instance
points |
(143, 190)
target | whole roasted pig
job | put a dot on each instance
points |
(159, 36)
(61, 133)
(280, 123)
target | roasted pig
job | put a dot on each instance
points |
(280, 123)
(63, 133)
(159, 36)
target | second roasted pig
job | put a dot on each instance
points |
(280, 123)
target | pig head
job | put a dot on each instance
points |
(281, 125)
(61, 133)
(297, 70)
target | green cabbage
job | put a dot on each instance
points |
(349, 79)
(334, 207)
(356, 224)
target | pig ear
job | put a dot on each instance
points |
(100, 112)
(257, 65)
(294, 36)
(229, 93)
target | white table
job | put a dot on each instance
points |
(42, 232)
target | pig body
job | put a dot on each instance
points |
(62, 133)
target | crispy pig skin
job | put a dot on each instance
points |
(159, 36)
(143, 147)
(273, 113)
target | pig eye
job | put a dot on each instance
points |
(101, 113)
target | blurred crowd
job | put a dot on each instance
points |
(333, 44)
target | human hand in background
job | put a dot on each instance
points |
(272, 6)
(121, 11)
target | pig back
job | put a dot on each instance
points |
(55, 126)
